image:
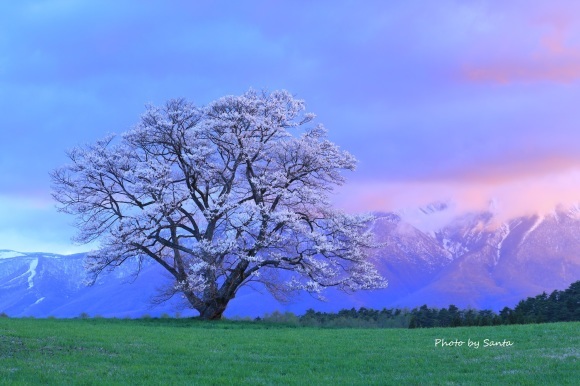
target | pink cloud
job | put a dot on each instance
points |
(519, 195)
(513, 72)
(542, 45)
(510, 167)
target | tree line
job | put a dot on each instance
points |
(559, 306)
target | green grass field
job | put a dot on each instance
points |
(173, 352)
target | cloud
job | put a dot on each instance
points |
(512, 72)
(541, 44)
(527, 195)
(512, 167)
(448, 99)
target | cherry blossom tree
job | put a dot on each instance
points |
(220, 196)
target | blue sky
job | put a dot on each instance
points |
(466, 101)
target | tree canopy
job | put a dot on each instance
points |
(220, 196)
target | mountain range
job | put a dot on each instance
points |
(474, 261)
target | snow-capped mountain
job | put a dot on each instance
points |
(42, 284)
(493, 265)
(471, 261)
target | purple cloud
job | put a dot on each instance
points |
(441, 99)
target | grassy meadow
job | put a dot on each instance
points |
(186, 351)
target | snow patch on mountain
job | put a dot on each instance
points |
(574, 210)
(504, 231)
(32, 272)
(454, 249)
(536, 224)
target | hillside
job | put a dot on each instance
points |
(472, 261)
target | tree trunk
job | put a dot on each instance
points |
(214, 302)
(213, 310)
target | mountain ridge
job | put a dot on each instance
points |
(472, 261)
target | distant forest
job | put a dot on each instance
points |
(559, 306)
